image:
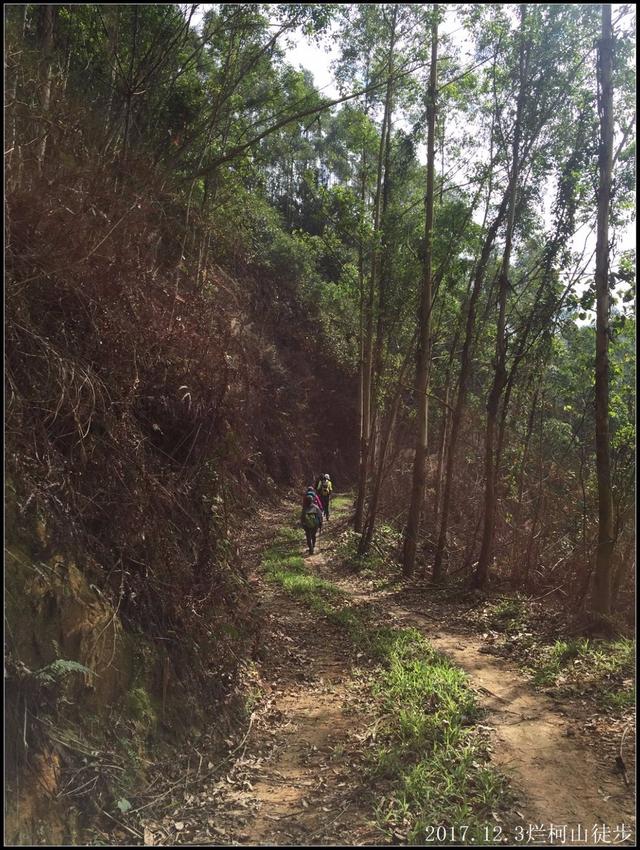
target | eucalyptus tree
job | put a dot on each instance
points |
(525, 143)
(500, 374)
(379, 43)
(395, 332)
(423, 351)
(559, 128)
(606, 538)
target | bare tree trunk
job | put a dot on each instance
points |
(385, 432)
(516, 571)
(442, 137)
(539, 500)
(367, 431)
(379, 345)
(48, 18)
(446, 426)
(385, 437)
(130, 88)
(446, 416)
(424, 323)
(367, 355)
(465, 370)
(500, 374)
(359, 506)
(367, 536)
(601, 598)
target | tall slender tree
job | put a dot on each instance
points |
(500, 372)
(601, 600)
(48, 16)
(366, 430)
(424, 322)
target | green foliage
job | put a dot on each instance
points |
(139, 706)
(347, 550)
(380, 562)
(58, 671)
(506, 615)
(123, 805)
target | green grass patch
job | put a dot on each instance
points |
(290, 571)
(508, 615)
(606, 666)
(369, 565)
(602, 669)
(302, 585)
(618, 700)
(428, 749)
(342, 503)
(287, 534)
(275, 559)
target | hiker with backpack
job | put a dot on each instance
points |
(325, 489)
(311, 521)
(311, 491)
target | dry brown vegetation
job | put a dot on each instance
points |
(146, 415)
(143, 411)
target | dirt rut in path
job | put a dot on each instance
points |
(559, 780)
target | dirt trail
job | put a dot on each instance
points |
(298, 778)
(559, 779)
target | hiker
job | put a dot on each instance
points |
(311, 521)
(325, 489)
(311, 491)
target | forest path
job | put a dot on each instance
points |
(559, 779)
(296, 780)
(299, 778)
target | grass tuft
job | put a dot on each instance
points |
(605, 666)
(507, 615)
(342, 503)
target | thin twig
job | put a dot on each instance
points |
(133, 832)
(331, 822)
(548, 593)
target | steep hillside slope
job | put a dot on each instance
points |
(145, 416)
